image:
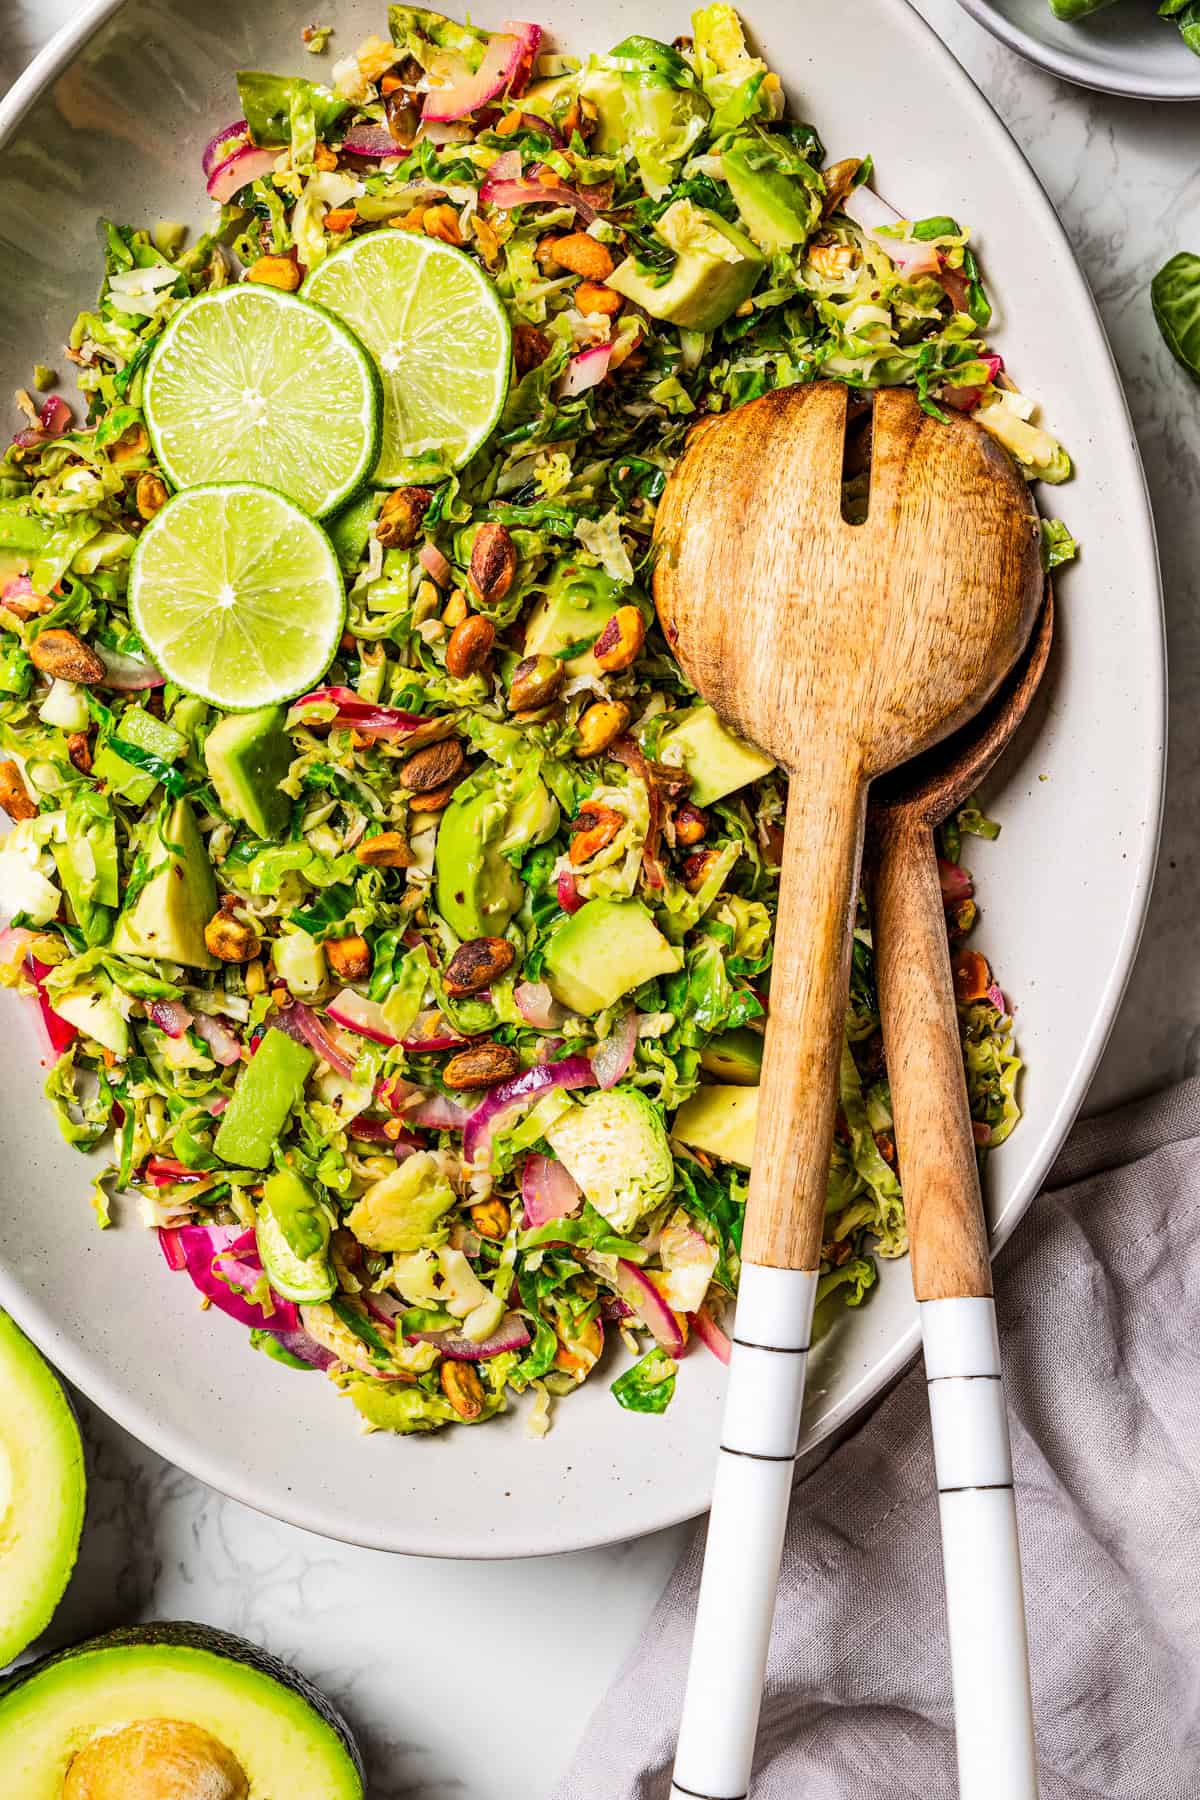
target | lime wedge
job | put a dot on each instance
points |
(435, 325)
(237, 595)
(252, 384)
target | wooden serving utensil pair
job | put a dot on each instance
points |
(846, 650)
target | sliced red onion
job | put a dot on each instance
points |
(636, 1286)
(867, 210)
(507, 167)
(435, 564)
(356, 1013)
(14, 945)
(504, 69)
(372, 142)
(586, 370)
(573, 1072)
(216, 1106)
(439, 1113)
(364, 715)
(225, 1047)
(711, 1335)
(202, 1247)
(546, 128)
(996, 998)
(247, 164)
(537, 1005)
(164, 1171)
(511, 1334)
(567, 891)
(170, 1016)
(981, 1132)
(548, 1190)
(60, 1031)
(29, 437)
(431, 1031)
(227, 141)
(614, 1309)
(299, 1022)
(128, 674)
(307, 1349)
(611, 1059)
(384, 1308)
(530, 38)
(19, 588)
(55, 416)
(954, 881)
(628, 751)
(507, 194)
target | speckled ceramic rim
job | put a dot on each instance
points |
(668, 1506)
(1070, 66)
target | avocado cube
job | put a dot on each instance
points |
(720, 1120)
(734, 1056)
(777, 210)
(606, 949)
(576, 604)
(266, 1091)
(169, 915)
(716, 267)
(248, 757)
(717, 761)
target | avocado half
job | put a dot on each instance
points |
(161, 1711)
(42, 1492)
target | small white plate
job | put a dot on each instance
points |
(112, 123)
(1126, 49)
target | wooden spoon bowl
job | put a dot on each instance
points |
(842, 650)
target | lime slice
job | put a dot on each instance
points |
(435, 325)
(252, 384)
(237, 595)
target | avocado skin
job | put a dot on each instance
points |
(189, 1636)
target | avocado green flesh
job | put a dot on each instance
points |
(169, 915)
(42, 1492)
(718, 762)
(772, 206)
(266, 1091)
(477, 890)
(576, 606)
(721, 1121)
(735, 1056)
(248, 757)
(606, 949)
(281, 1740)
(702, 290)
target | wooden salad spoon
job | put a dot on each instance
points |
(948, 1239)
(842, 650)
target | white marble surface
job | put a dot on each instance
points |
(386, 1636)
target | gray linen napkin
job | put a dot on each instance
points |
(1099, 1303)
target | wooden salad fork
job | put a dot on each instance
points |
(842, 650)
(948, 1240)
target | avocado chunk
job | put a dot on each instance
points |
(776, 210)
(266, 1091)
(140, 731)
(717, 761)
(293, 1239)
(204, 1711)
(92, 1009)
(169, 915)
(494, 813)
(248, 757)
(575, 606)
(404, 1211)
(606, 949)
(735, 1056)
(42, 1491)
(716, 267)
(615, 1146)
(720, 1120)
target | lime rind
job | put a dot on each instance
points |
(437, 329)
(222, 403)
(237, 595)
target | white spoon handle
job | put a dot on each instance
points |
(985, 1601)
(755, 1468)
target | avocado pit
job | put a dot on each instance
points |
(156, 1759)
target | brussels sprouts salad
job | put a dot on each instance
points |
(395, 912)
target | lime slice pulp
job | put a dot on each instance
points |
(237, 595)
(435, 325)
(253, 384)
